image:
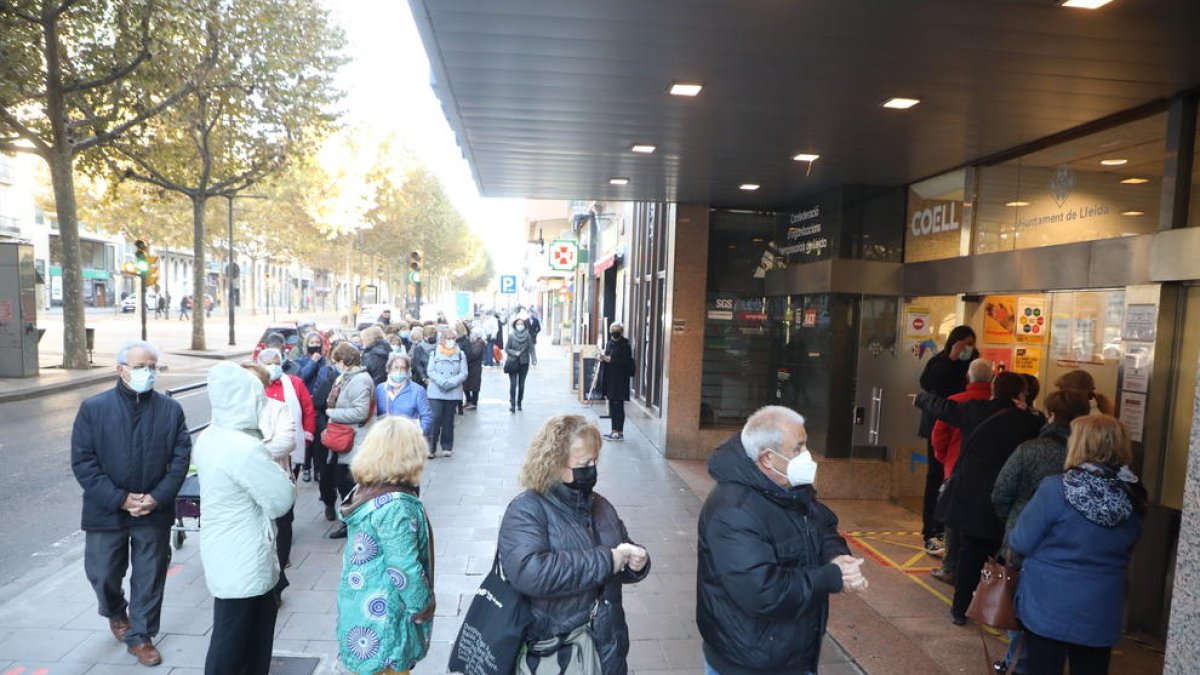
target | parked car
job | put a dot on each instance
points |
(287, 330)
(129, 304)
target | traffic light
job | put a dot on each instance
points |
(129, 268)
(414, 266)
(152, 273)
(140, 257)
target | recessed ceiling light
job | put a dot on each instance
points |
(1116, 161)
(1133, 214)
(1085, 4)
(1135, 181)
(685, 89)
(618, 181)
(806, 157)
(900, 103)
(643, 149)
(1017, 203)
(749, 187)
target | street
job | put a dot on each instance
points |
(38, 494)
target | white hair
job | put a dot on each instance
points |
(268, 355)
(395, 356)
(980, 370)
(123, 354)
(765, 428)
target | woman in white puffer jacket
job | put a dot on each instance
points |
(242, 492)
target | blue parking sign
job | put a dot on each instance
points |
(508, 283)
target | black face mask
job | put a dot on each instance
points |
(314, 349)
(431, 340)
(615, 336)
(583, 478)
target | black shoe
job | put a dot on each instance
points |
(518, 406)
(329, 514)
(307, 475)
(1000, 667)
(958, 619)
(512, 408)
(340, 533)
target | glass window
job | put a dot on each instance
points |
(648, 284)
(1194, 208)
(1101, 186)
(935, 222)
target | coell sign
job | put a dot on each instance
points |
(936, 217)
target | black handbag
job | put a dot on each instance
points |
(512, 364)
(493, 631)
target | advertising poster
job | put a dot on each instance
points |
(1027, 360)
(1133, 414)
(1001, 358)
(1141, 323)
(918, 331)
(1032, 323)
(999, 318)
(1060, 338)
(1137, 367)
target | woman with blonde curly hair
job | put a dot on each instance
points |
(563, 547)
(385, 599)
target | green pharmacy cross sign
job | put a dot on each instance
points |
(564, 255)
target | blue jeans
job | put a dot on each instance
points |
(1013, 637)
(708, 669)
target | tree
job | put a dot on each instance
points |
(77, 74)
(268, 97)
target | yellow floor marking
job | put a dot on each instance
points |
(911, 561)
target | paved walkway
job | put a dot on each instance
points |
(52, 627)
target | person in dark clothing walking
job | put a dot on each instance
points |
(991, 432)
(476, 349)
(564, 547)
(945, 375)
(160, 307)
(516, 363)
(185, 306)
(770, 553)
(616, 370)
(130, 451)
(535, 328)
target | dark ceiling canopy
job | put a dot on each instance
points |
(547, 96)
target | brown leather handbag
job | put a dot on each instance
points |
(994, 601)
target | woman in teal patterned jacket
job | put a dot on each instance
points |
(386, 600)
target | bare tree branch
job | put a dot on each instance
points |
(11, 147)
(24, 131)
(6, 7)
(151, 175)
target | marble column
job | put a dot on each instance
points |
(686, 294)
(1183, 649)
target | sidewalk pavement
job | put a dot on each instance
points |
(52, 627)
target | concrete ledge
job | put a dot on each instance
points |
(36, 387)
(213, 354)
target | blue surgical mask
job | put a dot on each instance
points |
(521, 328)
(966, 353)
(141, 380)
(275, 370)
(404, 334)
(399, 377)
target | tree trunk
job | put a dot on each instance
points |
(62, 177)
(199, 270)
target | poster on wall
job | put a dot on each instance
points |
(999, 318)
(1001, 358)
(1083, 341)
(1032, 323)
(1141, 323)
(1060, 338)
(1136, 372)
(918, 331)
(1133, 414)
(1027, 360)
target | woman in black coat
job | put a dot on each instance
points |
(564, 548)
(944, 375)
(474, 350)
(615, 372)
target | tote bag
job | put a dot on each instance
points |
(493, 631)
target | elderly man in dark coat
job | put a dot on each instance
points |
(130, 451)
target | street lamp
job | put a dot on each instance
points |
(229, 265)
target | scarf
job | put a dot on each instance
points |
(1102, 494)
(447, 352)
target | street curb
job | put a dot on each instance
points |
(55, 387)
(214, 356)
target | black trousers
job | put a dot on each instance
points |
(1044, 656)
(106, 559)
(953, 548)
(472, 397)
(243, 635)
(930, 527)
(516, 385)
(616, 409)
(442, 429)
(283, 547)
(335, 482)
(971, 556)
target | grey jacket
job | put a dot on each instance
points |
(556, 549)
(353, 406)
(446, 375)
(1032, 461)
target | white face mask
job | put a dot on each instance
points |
(275, 370)
(801, 469)
(141, 380)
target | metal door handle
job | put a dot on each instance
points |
(876, 414)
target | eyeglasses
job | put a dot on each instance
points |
(152, 367)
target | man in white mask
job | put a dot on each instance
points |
(770, 553)
(130, 451)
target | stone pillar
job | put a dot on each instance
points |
(684, 353)
(1183, 649)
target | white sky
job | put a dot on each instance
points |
(387, 88)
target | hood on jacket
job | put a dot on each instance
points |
(237, 397)
(376, 496)
(730, 464)
(1056, 432)
(1100, 493)
(381, 347)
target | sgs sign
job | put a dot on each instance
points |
(936, 217)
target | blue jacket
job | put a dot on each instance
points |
(125, 442)
(1073, 579)
(411, 402)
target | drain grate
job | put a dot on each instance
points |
(294, 665)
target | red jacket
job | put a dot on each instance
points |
(947, 440)
(308, 416)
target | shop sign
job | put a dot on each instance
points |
(934, 217)
(564, 255)
(805, 235)
(810, 318)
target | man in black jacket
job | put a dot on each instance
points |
(130, 451)
(991, 432)
(616, 369)
(770, 553)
